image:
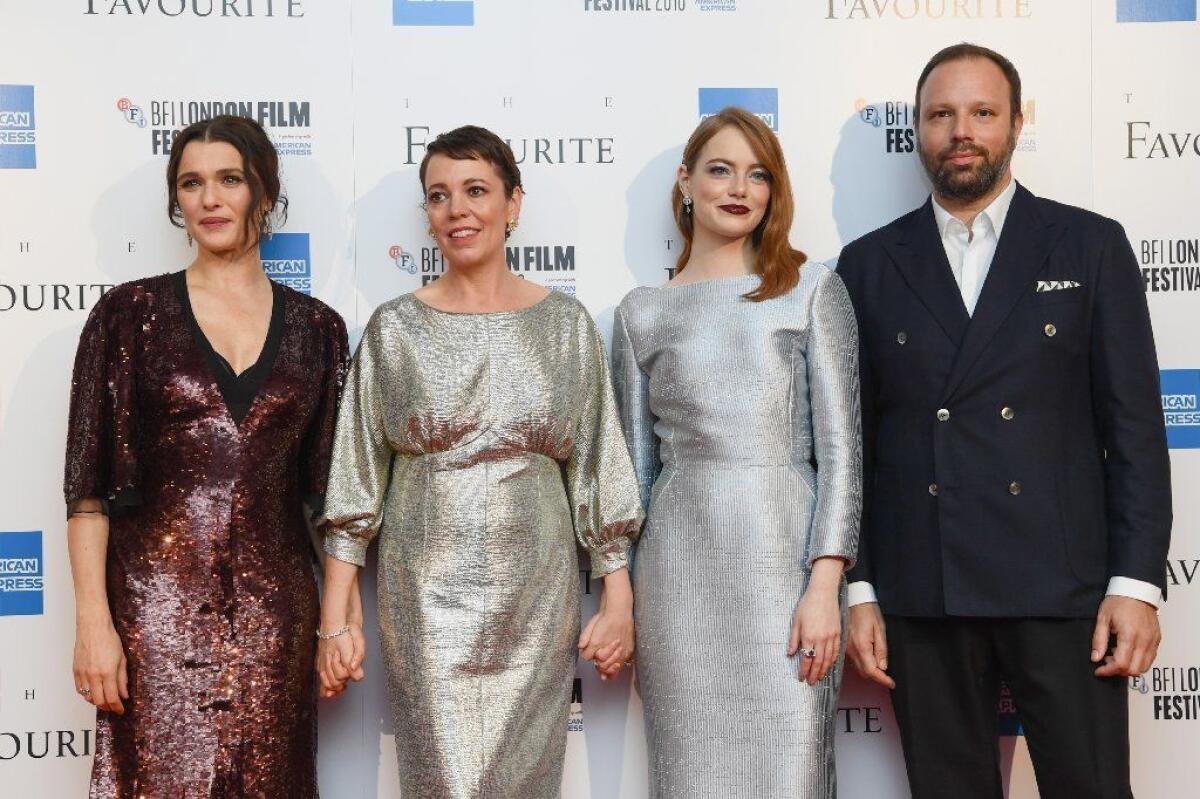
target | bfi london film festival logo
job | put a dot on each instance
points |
(1174, 692)
(1169, 265)
(133, 113)
(1180, 388)
(763, 103)
(289, 122)
(286, 260)
(1156, 10)
(18, 127)
(403, 259)
(433, 12)
(22, 574)
(553, 263)
(896, 122)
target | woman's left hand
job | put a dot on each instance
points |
(817, 622)
(608, 638)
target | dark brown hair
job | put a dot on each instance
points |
(778, 262)
(966, 50)
(260, 162)
(473, 142)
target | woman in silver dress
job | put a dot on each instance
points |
(479, 437)
(738, 387)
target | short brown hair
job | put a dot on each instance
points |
(260, 162)
(964, 51)
(778, 262)
(471, 142)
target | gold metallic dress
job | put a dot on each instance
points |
(480, 446)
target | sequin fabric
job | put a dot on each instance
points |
(480, 447)
(743, 421)
(210, 567)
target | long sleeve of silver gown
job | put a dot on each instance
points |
(362, 455)
(831, 365)
(633, 395)
(598, 477)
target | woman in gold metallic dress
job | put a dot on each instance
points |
(479, 437)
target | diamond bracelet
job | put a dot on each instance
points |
(326, 636)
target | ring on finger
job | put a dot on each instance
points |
(84, 692)
(808, 653)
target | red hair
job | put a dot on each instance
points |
(777, 261)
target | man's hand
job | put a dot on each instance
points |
(1135, 624)
(866, 643)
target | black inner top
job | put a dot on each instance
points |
(238, 390)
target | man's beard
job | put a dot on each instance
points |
(968, 184)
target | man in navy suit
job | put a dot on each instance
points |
(1017, 506)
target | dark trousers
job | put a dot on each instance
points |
(948, 674)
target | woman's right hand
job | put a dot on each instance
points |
(341, 659)
(101, 676)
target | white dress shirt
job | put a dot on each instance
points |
(970, 250)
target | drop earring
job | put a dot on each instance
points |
(687, 204)
(189, 238)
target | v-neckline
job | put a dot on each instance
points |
(238, 391)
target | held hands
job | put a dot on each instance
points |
(608, 639)
(1135, 625)
(101, 676)
(340, 659)
(817, 623)
(867, 643)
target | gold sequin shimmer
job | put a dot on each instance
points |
(479, 447)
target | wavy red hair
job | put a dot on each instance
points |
(778, 262)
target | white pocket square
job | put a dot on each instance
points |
(1056, 285)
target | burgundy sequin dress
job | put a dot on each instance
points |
(210, 566)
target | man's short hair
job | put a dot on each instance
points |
(966, 50)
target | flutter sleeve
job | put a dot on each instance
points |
(832, 364)
(603, 492)
(317, 448)
(103, 429)
(362, 457)
(632, 386)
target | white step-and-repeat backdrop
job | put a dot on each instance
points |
(597, 98)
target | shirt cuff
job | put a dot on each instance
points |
(860, 593)
(1149, 593)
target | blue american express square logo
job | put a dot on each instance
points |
(285, 259)
(1156, 10)
(18, 128)
(1180, 390)
(433, 12)
(22, 574)
(763, 103)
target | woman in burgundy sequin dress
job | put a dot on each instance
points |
(202, 411)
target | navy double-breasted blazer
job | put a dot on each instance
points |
(1015, 459)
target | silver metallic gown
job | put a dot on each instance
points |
(743, 421)
(480, 446)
